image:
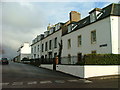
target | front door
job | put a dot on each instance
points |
(79, 57)
(50, 55)
(54, 61)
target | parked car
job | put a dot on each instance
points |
(4, 61)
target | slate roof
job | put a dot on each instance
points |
(111, 10)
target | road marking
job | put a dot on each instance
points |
(34, 82)
(43, 82)
(87, 81)
(73, 80)
(17, 83)
(59, 81)
(4, 83)
(81, 79)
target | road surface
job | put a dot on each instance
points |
(17, 75)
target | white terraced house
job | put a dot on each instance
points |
(47, 45)
(96, 33)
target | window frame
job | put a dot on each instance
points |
(69, 43)
(55, 42)
(93, 41)
(94, 52)
(38, 48)
(50, 44)
(79, 40)
(42, 47)
(46, 46)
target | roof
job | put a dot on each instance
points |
(96, 9)
(112, 9)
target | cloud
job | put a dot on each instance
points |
(18, 24)
(15, 14)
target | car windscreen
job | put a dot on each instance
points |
(4, 58)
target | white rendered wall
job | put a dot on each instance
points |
(43, 41)
(101, 70)
(102, 28)
(52, 37)
(48, 66)
(86, 71)
(115, 34)
(71, 69)
(119, 35)
(26, 49)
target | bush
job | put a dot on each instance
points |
(102, 59)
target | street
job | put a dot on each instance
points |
(17, 75)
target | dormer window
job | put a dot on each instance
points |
(38, 37)
(92, 17)
(46, 33)
(69, 28)
(51, 30)
(95, 14)
(57, 26)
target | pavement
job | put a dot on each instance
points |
(104, 77)
(17, 75)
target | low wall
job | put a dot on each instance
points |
(75, 70)
(86, 71)
(48, 66)
(101, 70)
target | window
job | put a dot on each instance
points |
(79, 40)
(55, 44)
(69, 43)
(45, 56)
(93, 52)
(34, 55)
(42, 47)
(92, 17)
(55, 54)
(50, 44)
(69, 28)
(79, 57)
(38, 47)
(35, 49)
(46, 45)
(38, 56)
(93, 37)
(69, 59)
(31, 50)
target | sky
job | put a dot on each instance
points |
(22, 21)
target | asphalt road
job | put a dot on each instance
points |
(17, 75)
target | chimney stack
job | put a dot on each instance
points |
(74, 16)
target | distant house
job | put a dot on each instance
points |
(24, 52)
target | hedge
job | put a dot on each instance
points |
(101, 59)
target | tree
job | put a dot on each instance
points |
(60, 51)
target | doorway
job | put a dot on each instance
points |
(79, 57)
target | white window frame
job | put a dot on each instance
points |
(79, 40)
(69, 43)
(93, 41)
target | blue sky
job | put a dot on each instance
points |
(23, 21)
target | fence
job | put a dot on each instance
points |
(93, 59)
(90, 59)
(69, 60)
